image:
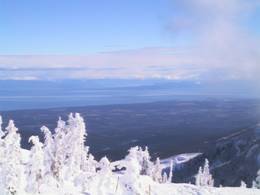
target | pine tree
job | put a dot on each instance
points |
(48, 149)
(243, 184)
(199, 177)
(157, 171)
(165, 177)
(2, 144)
(2, 133)
(145, 161)
(133, 169)
(35, 166)
(256, 183)
(143, 158)
(104, 165)
(89, 163)
(133, 161)
(59, 151)
(11, 167)
(76, 131)
(204, 178)
(170, 173)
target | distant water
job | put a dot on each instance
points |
(17, 95)
(90, 97)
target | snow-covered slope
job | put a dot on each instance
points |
(113, 184)
(109, 186)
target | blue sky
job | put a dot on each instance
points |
(82, 26)
(191, 39)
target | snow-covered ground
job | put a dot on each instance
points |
(113, 185)
(110, 187)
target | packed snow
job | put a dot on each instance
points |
(62, 165)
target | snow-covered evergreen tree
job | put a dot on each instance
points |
(2, 133)
(243, 184)
(11, 165)
(35, 166)
(65, 154)
(105, 174)
(89, 163)
(165, 177)
(59, 151)
(133, 169)
(157, 171)
(145, 161)
(143, 158)
(76, 135)
(256, 183)
(48, 149)
(104, 165)
(198, 177)
(133, 161)
(170, 172)
(204, 178)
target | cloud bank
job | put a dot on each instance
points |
(221, 46)
(167, 63)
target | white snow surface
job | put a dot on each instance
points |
(113, 184)
(108, 186)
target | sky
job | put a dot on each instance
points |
(168, 39)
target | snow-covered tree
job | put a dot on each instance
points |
(35, 166)
(165, 177)
(198, 177)
(170, 173)
(204, 178)
(143, 158)
(2, 133)
(59, 151)
(133, 161)
(133, 169)
(157, 171)
(145, 161)
(76, 135)
(104, 175)
(256, 183)
(48, 149)
(65, 154)
(89, 163)
(88, 172)
(11, 165)
(243, 184)
(104, 165)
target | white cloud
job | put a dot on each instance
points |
(138, 63)
(222, 36)
(222, 47)
(19, 78)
